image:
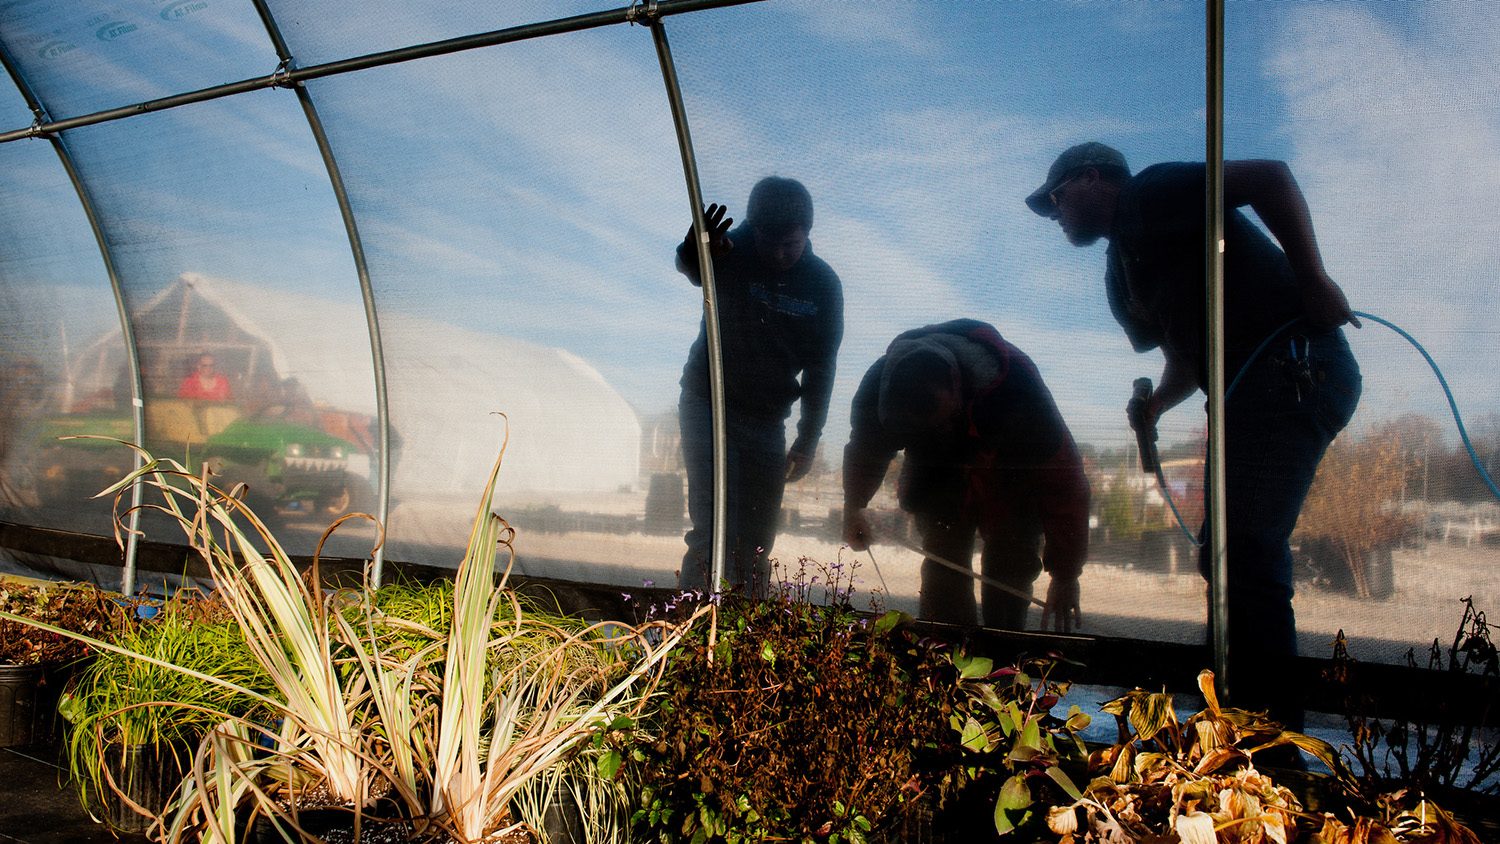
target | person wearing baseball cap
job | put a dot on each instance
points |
(1290, 401)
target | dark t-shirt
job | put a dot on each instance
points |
(1156, 274)
(774, 327)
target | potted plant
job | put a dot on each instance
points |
(34, 662)
(1404, 766)
(1016, 752)
(440, 724)
(134, 723)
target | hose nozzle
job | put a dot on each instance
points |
(1145, 431)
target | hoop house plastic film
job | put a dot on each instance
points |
(83, 56)
(1387, 115)
(918, 130)
(522, 263)
(319, 32)
(238, 284)
(52, 285)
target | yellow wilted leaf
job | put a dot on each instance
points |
(1206, 688)
(1150, 714)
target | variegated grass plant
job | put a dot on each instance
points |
(590, 796)
(500, 725)
(451, 725)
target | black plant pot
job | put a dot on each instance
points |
(22, 705)
(147, 774)
(562, 820)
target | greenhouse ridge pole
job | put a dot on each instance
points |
(367, 292)
(132, 351)
(710, 302)
(1218, 522)
(288, 77)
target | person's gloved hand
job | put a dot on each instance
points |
(1139, 411)
(799, 461)
(719, 243)
(1325, 303)
(1062, 607)
(857, 528)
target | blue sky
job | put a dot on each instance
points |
(533, 190)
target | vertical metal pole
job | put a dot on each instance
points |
(367, 293)
(132, 351)
(710, 300)
(1214, 277)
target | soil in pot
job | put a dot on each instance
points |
(336, 826)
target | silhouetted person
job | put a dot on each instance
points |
(986, 451)
(781, 317)
(205, 382)
(1291, 400)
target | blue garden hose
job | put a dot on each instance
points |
(1463, 432)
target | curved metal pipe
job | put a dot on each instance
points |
(132, 351)
(367, 292)
(288, 77)
(710, 301)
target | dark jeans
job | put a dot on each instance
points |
(1010, 556)
(1274, 439)
(756, 468)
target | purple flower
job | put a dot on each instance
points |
(648, 583)
(626, 596)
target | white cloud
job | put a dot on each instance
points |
(1397, 144)
(900, 27)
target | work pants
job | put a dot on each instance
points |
(1276, 431)
(756, 469)
(1011, 555)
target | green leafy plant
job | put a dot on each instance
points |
(1004, 723)
(590, 795)
(448, 712)
(789, 720)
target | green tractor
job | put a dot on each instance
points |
(292, 467)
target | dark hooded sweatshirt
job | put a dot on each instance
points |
(1011, 456)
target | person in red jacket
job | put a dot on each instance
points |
(204, 382)
(987, 452)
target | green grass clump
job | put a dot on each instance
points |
(123, 701)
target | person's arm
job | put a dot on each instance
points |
(1065, 525)
(866, 458)
(1270, 189)
(1179, 379)
(719, 243)
(817, 382)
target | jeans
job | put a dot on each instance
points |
(1277, 428)
(1011, 556)
(755, 461)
